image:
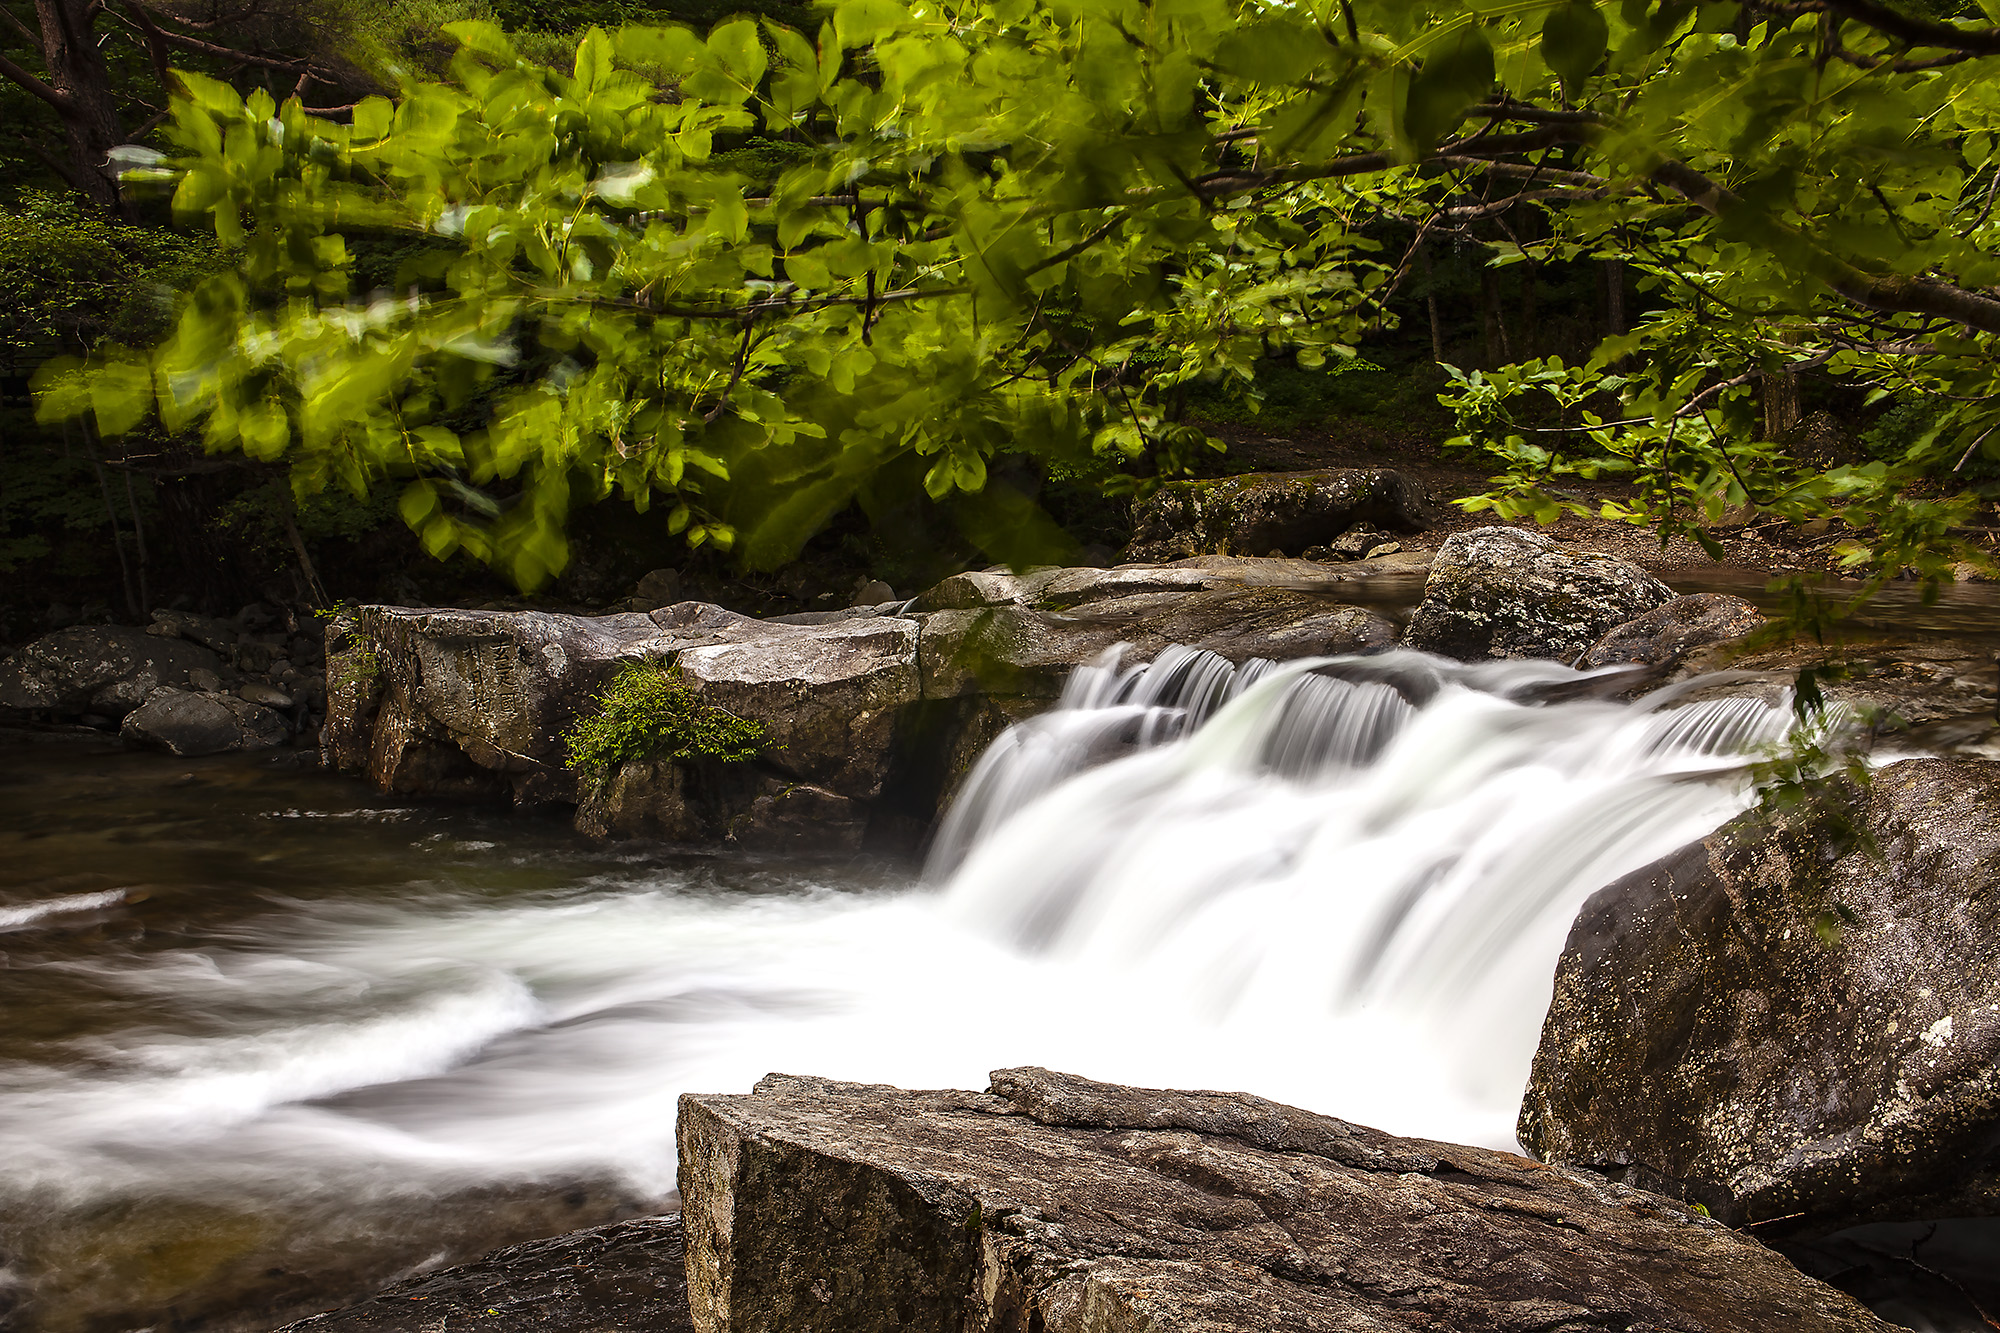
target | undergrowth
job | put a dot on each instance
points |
(650, 712)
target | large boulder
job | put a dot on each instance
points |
(1017, 637)
(186, 723)
(476, 702)
(868, 714)
(1058, 1204)
(1505, 592)
(1671, 631)
(108, 669)
(628, 1275)
(1272, 513)
(1796, 1021)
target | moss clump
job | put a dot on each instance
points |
(647, 712)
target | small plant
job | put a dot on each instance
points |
(352, 669)
(648, 712)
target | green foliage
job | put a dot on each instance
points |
(70, 278)
(993, 227)
(650, 712)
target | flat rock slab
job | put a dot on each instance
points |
(628, 1277)
(1056, 1204)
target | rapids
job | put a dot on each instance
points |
(1342, 884)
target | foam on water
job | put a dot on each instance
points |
(1342, 884)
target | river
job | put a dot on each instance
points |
(273, 1038)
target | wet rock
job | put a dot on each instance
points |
(184, 723)
(482, 701)
(1503, 592)
(1795, 1021)
(869, 713)
(1054, 1203)
(217, 635)
(1027, 651)
(269, 696)
(1672, 630)
(108, 669)
(204, 680)
(629, 1275)
(1281, 513)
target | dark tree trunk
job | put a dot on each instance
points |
(1781, 404)
(1530, 289)
(1498, 352)
(1431, 301)
(89, 113)
(1611, 278)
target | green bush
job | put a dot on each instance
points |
(649, 712)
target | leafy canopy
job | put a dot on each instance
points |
(756, 275)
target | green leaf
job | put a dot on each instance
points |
(1456, 72)
(1574, 40)
(861, 22)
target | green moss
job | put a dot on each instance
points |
(650, 712)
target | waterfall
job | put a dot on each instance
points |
(1391, 845)
(1340, 883)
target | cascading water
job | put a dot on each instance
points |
(1341, 883)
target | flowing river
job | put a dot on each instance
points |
(272, 1039)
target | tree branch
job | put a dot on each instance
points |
(12, 72)
(34, 38)
(1915, 31)
(199, 47)
(1885, 291)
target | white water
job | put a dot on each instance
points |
(1344, 888)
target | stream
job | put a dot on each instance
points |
(274, 1039)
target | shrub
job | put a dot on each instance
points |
(650, 712)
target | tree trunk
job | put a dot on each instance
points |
(1781, 404)
(1612, 278)
(1530, 289)
(89, 114)
(1431, 301)
(1497, 351)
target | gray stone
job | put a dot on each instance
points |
(108, 669)
(1505, 592)
(1671, 630)
(218, 635)
(625, 1276)
(204, 680)
(873, 592)
(185, 723)
(1279, 513)
(854, 703)
(1795, 1021)
(269, 696)
(660, 588)
(1056, 1204)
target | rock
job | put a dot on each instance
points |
(107, 669)
(629, 1275)
(480, 702)
(869, 714)
(1054, 1203)
(1778, 1025)
(184, 723)
(1504, 592)
(873, 592)
(1276, 512)
(269, 696)
(205, 681)
(1673, 629)
(660, 588)
(218, 635)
